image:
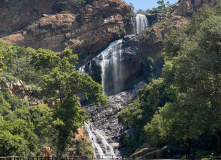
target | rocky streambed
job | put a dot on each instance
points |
(104, 119)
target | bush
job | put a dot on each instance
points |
(59, 6)
(19, 67)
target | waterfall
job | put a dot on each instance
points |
(113, 77)
(141, 23)
(111, 67)
(101, 147)
(81, 69)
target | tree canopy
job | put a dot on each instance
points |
(191, 85)
(62, 83)
(58, 83)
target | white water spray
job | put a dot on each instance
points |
(111, 58)
(81, 69)
(111, 70)
(101, 147)
(141, 23)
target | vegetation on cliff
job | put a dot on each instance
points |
(187, 103)
(5, 51)
(29, 128)
(62, 83)
(179, 109)
(160, 9)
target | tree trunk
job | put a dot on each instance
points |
(59, 154)
(61, 145)
(218, 144)
(189, 141)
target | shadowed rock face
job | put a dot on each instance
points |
(92, 29)
(122, 68)
(15, 15)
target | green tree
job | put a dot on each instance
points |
(162, 6)
(131, 6)
(62, 83)
(17, 138)
(192, 80)
(141, 111)
(143, 108)
(18, 66)
(5, 51)
(192, 74)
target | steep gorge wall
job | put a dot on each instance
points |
(18, 14)
(89, 31)
(98, 24)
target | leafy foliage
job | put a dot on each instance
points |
(160, 9)
(59, 6)
(191, 86)
(19, 66)
(141, 111)
(192, 72)
(61, 82)
(17, 133)
(5, 52)
(79, 3)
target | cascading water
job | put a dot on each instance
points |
(112, 79)
(111, 66)
(141, 23)
(101, 147)
(111, 58)
(82, 69)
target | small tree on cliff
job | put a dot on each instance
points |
(62, 82)
(5, 51)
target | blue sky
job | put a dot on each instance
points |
(146, 4)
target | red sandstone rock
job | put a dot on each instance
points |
(46, 153)
(92, 33)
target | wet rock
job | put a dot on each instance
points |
(105, 120)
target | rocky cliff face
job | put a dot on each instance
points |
(18, 14)
(149, 42)
(105, 120)
(22, 91)
(89, 31)
(97, 24)
(135, 48)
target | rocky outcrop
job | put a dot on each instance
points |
(89, 31)
(149, 42)
(105, 119)
(187, 7)
(16, 15)
(23, 92)
(46, 153)
(137, 48)
(81, 136)
(128, 64)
